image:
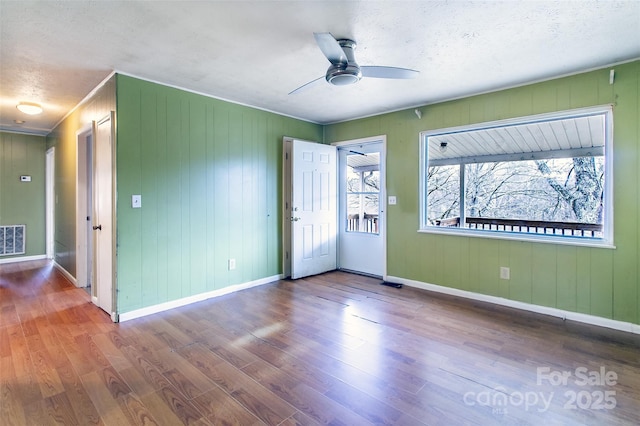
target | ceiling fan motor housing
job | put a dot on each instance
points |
(344, 74)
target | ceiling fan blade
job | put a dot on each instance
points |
(306, 86)
(331, 49)
(388, 72)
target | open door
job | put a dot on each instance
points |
(103, 216)
(313, 212)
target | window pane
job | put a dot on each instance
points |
(371, 181)
(362, 213)
(353, 179)
(554, 190)
(443, 197)
(363, 188)
(363, 174)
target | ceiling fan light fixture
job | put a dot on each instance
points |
(343, 76)
(30, 108)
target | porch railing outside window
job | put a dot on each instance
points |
(592, 230)
(369, 223)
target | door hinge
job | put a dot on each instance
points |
(286, 156)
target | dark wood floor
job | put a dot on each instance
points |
(334, 349)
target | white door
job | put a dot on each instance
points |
(362, 200)
(103, 215)
(313, 208)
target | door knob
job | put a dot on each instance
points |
(99, 227)
(295, 219)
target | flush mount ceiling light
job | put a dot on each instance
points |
(30, 108)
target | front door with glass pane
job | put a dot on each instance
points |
(361, 216)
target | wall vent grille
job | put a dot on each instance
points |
(12, 239)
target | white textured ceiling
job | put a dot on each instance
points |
(256, 52)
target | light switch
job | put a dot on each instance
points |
(392, 200)
(136, 201)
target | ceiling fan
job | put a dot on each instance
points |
(344, 70)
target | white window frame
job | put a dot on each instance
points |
(605, 242)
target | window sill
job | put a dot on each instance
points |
(516, 236)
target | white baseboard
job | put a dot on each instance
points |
(126, 316)
(560, 313)
(23, 258)
(66, 273)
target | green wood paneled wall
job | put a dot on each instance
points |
(23, 202)
(210, 176)
(601, 282)
(64, 139)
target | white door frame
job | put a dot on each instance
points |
(286, 203)
(50, 167)
(383, 194)
(84, 174)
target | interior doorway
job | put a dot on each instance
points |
(50, 202)
(84, 207)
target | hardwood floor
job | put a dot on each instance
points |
(335, 349)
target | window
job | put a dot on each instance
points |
(543, 177)
(363, 192)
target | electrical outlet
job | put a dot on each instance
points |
(232, 264)
(505, 273)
